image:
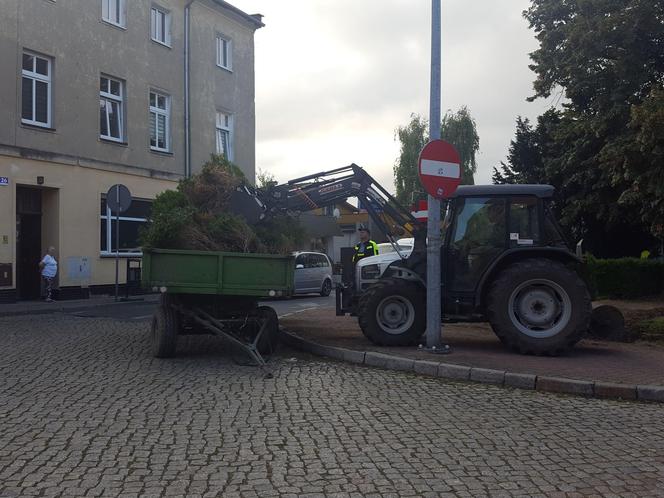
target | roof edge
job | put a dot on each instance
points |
(255, 19)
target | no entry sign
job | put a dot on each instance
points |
(440, 168)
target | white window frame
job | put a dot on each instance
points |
(35, 76)
(114, 12)
(158, 111)
(224, 124)
(120, 101)
(155, 27)
(109, 217)
(224, 46)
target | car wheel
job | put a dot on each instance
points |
(327, 288)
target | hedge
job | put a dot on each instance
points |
(625, 278)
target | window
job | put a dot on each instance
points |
(130, 222)
(113, 12)
(160, 110)
(36, 90)
(524, 222)
(479, 238)
(224, 53)
(111, 125)
(160, 26)
(225, 135)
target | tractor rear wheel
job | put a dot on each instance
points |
(539, 306)
(392, 312)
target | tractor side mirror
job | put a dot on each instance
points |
(579, 249)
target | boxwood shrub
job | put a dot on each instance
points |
(625, 278)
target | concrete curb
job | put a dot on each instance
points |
(451, 371)
(64, 309)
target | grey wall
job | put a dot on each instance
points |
(82, 46)
(214, 88)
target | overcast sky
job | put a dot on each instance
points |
(335, 78)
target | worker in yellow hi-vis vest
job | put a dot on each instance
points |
(366, 246)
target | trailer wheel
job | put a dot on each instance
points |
(165, 326)
(539, 306)
(392, 312)
(270, 338)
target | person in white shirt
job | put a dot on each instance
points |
(49, 269)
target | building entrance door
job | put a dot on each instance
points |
(28, 242)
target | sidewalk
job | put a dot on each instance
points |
(593, 368)
(41, 307)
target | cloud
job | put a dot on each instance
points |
(336, 77)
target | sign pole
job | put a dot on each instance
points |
(117, 243)
(434, 302)
(118, 200)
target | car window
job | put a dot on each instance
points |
(300, 260)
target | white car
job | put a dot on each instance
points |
(313, 273)
(368, 270)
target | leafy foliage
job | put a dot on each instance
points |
(458, 128)
(197, 216)
(626, 277)
(412, 138)
(265, 179)
(603, 150)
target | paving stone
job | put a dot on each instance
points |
(650, 393)
(488, 376)
(86, 411)
(389, 362)
(562, 385)
(519, 380)
(614, 391)
(426, 367)
(451, 371)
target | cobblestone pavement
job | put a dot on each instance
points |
(85, 411)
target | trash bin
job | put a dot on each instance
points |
(133, 285)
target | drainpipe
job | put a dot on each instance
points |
(187, 111)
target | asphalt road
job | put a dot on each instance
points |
(142, 310)
(85, 410)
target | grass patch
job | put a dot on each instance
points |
(652, 329)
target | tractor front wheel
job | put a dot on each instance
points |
(392, 312)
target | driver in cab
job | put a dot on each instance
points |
(366, 247)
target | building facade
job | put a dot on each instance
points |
(101, 92)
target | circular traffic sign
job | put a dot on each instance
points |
(440, 169)
(118, 198)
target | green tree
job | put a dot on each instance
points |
(605, 58)
(458, 128)
(265, 179)
(412, 138)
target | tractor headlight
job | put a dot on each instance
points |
(370, 272)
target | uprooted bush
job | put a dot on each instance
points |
(197, 216)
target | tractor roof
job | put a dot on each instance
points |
(502, 190)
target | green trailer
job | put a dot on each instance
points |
(216, 293)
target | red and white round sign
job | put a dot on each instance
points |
(440, 168)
